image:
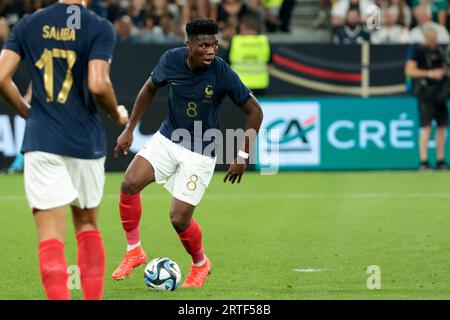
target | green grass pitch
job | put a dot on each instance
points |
(259, 232)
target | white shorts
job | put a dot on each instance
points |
(53, 181)
(184, 173)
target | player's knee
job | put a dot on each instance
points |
(85, 222)
(88, 226)
(129, 186)
(179, 222)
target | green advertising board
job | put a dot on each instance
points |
(340, 134)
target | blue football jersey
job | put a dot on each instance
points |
(195, 97)
(63, 118)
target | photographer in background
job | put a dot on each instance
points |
(428, 68)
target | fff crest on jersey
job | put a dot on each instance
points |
(209, 93)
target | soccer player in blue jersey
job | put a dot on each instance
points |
(198, 82)
(64, 143)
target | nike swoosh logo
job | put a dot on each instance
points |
(125, 221)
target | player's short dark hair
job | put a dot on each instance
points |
(201, 26)
(250, 20)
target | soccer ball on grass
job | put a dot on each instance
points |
(162, 274)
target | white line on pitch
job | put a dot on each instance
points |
(288, 195)
(309, 270)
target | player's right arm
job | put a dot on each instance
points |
(101, 87)
(143, 100)
(103, 41)
(9, 62)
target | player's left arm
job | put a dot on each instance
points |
(253, 123)
(9, 62)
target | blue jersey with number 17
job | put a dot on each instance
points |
(57, 44)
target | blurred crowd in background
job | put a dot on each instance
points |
(397, 21)
(163, 21)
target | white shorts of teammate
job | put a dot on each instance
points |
(53, 181)
(184, 173)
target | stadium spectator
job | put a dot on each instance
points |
(228, 31)
(340, 9)
(99, 7)
(126, 31)
(136, 12)
(197, 9)
(11, 10)
(256, 9)
(115, 10)
(146, 34)
(4, 30)
(423, 18)
(28, 6)
(165, 31)
(321, 21)
(285, 15)
(250, 55)
(160, 8)
(390, 32)
(230, 9)
(382, 4)
(271, 14)
(436, 8)
(428, 68)
(403, 12)
(352, 32)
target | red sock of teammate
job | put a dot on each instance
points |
(53, 268)
(130, 212)
(91, 261)
(191, 238)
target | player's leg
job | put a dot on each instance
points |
(188, 186)
(138, 175)
(49, 190)
(426, 117)
(441, 132)
(423, 143)
(51, 228)
(188, 230)
(88, 179)
(91, 252)
(190, 235)
(152, 163)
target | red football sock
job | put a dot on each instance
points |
(53, 268)
(130, 213)
(91, 261)
(191, 238)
